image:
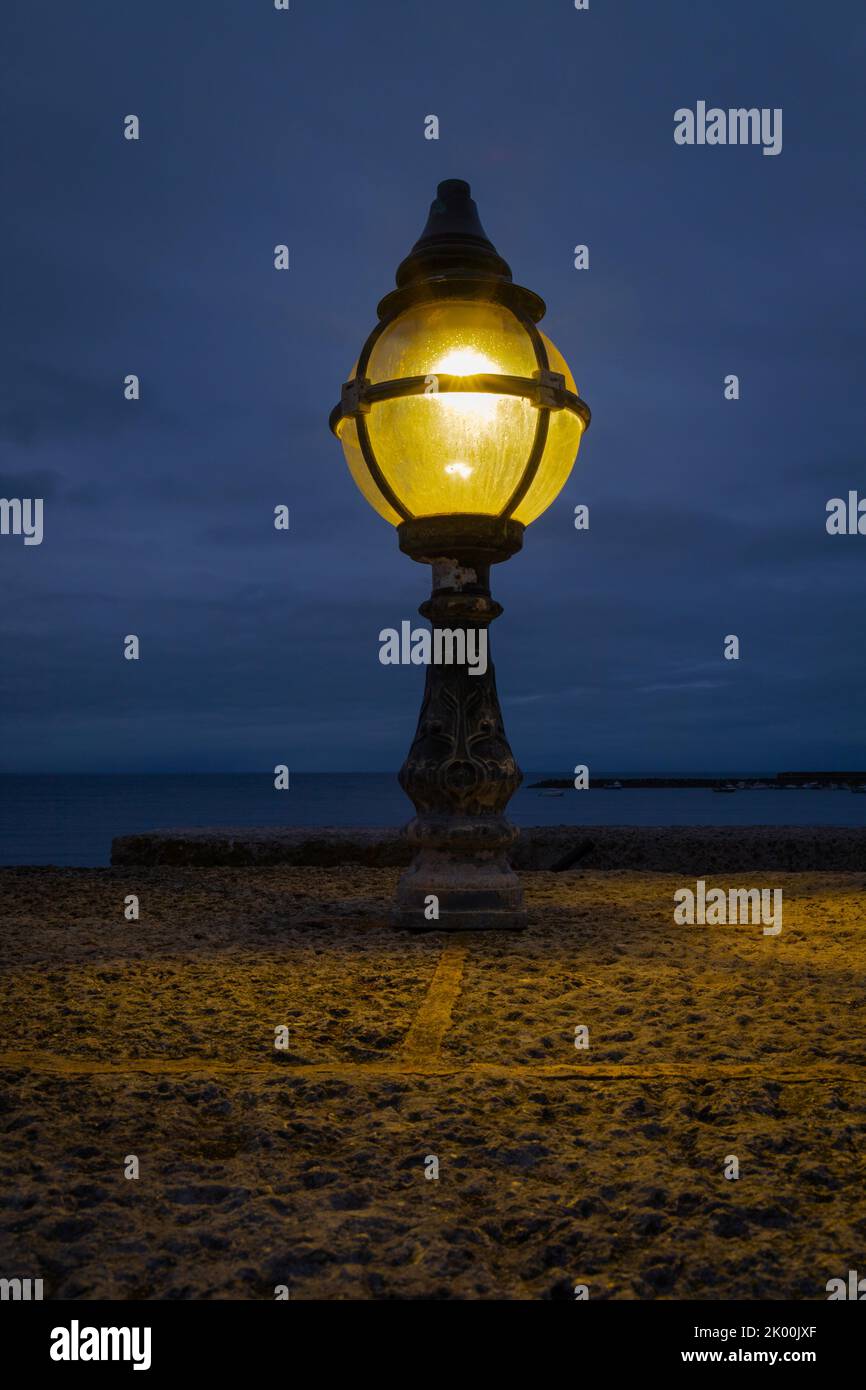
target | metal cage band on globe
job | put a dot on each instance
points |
(546, 390)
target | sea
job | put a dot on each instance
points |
(69, 820)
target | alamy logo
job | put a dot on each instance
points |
(737, 907)
(77, 1343)
(20, 1290)
(444, 646)
(736, 126)
(856, 1288)
(846, 518)
(22, 516)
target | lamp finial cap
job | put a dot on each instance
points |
(453, 240)
(455, 257)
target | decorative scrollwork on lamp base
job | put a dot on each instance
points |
(460, 772)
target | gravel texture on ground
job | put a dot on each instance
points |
(306, 1166)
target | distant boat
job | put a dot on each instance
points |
(862, 790)
(617, 784)
(727, 788)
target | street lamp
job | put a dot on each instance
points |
(460, 425)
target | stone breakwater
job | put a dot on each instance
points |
(660, 849)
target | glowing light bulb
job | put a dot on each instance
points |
(465, 361)
(470, 410)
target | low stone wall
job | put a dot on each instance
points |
(695, 850)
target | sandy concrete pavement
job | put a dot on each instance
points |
(306, 1166)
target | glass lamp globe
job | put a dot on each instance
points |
(459, 405)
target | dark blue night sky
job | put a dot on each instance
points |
(260, 127)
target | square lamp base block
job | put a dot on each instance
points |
(466, 909)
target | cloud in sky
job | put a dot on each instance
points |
(707, 516)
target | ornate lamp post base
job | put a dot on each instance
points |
(460, 864)
(460, 772)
